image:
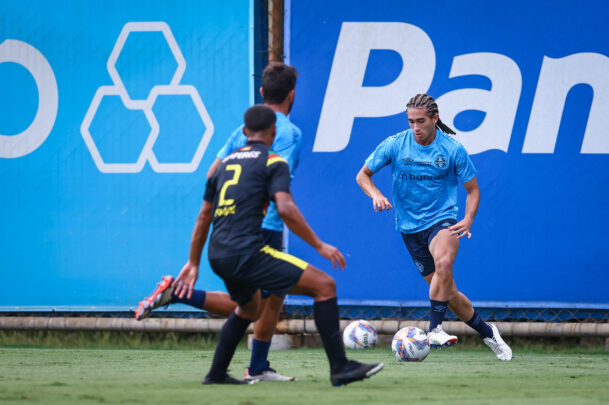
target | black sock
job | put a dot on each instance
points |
(438, 310)
(232, 332)
(326, 320)
(480, 326)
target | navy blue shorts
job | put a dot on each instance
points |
(267, 269)
(418, 245)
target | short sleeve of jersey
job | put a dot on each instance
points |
(288, 147)
(232, 143)
(295, 157)
(464, 166)
(279, 177)
(210, 189)
(382, 155)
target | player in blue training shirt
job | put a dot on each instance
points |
(426, 167)
(278, 92)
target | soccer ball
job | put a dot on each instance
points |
(359, 334)
(410, 344)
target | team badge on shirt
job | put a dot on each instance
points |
(440, 162)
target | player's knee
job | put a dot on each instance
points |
(331, 286)
(251, 314)
(327, 287)
(444, 267)
(251, 310)
(274, 302)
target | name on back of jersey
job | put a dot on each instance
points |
(252, 154)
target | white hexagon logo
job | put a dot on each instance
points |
(174, 88)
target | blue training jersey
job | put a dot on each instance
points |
(287, 144)
(424, 178)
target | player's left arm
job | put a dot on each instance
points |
(293, 218)
(462, 228)
(279, 191)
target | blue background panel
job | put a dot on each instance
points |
(69, 233)
(539, 233)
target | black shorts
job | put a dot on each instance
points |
(275, 240)
(418, 245)
(268, 269)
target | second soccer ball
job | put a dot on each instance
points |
(360, 334)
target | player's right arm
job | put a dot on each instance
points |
(213, 168)
(364, 180)
(383, 155)
(232, 143)
(293, 218)
(185, 282)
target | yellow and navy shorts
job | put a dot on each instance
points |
(267, 269)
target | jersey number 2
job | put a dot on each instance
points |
(228, 183)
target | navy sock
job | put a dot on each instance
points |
(260, 352)
(232, 332)
(326, 320)
(438, 310)
(480, 326)
(197, 300)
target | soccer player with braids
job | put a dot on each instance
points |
(426, 167)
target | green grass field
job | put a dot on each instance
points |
(450, 376)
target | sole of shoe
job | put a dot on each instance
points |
(266, 377)
(368, 374)
(375, 370)
(263, 379)
(450, 343)
(227, 381)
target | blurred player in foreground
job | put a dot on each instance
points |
(426, 166)
(278, 92)
(236, 197)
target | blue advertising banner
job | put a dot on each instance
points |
(527, 90)
(110, 114)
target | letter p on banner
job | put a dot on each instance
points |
(347, 98)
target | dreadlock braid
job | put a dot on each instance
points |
(429, 104)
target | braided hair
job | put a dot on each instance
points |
(429, 104)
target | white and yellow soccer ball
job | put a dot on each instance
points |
(410, 344)
(360, 334)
